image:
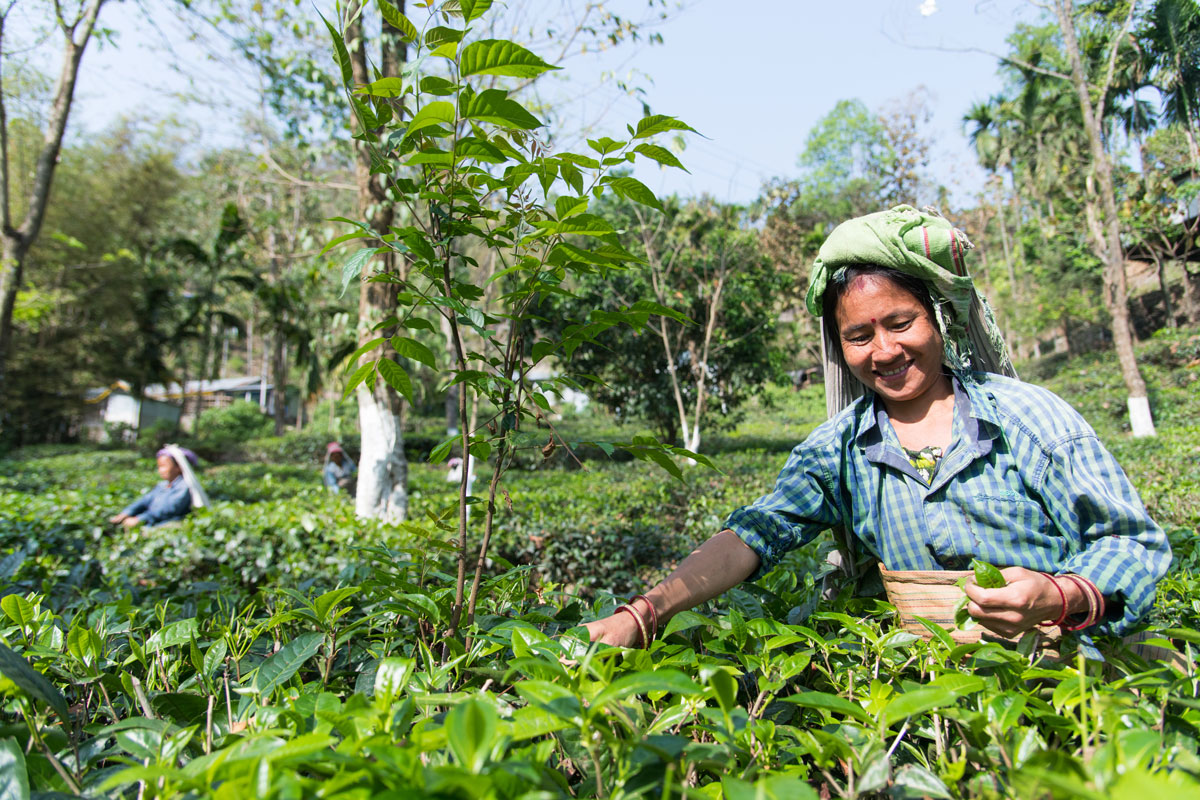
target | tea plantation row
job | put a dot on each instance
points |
(275, 646)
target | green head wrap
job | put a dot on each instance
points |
(925, 246)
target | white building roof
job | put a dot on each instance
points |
(249, 383)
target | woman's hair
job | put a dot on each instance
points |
(839, 284)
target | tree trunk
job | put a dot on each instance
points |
(18, 239)
(183, 381)
(700, 365)
(278, 341)
(383, 469)
(1065, 329)
(1105, 225)
(262, 374)
(453, 424)
(279, 371)
(12, 271)
(201, 370)
(1191, 296)
(1165, 288)
(249, 370)
(673, 372)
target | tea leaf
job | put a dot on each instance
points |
(831, 703)
(470, 732)
(987, 576)
(18, 609)
(917, 702)
(280, 667)
(32, 682)
(500, 57)
(14, 778)
(914, 781)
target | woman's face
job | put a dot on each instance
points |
(888, 339)
(168, 470)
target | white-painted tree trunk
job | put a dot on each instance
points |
(1100, 206)
(1140, 418)
(382, 491)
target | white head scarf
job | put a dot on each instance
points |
(199, 498)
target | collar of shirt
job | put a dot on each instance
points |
(976, 424)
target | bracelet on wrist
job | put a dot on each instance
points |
(1062, 596)
(641, 623)
(653, 615)
(1094, 600)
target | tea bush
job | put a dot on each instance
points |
(275, 646)
(219, 429)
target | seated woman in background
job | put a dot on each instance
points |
(931, 458)
(171, 500)
(339, 469)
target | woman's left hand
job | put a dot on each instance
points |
(1028, 599)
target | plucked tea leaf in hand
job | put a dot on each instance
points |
(987, 576)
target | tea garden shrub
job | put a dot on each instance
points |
(275, 646)
(221, 429)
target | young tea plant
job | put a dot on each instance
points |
(477, 183)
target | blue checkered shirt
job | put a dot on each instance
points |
(1025, 482)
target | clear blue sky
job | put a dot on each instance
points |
(752, 76)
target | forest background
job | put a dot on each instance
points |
(132, 277)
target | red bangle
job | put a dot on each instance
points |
(653, 614)
(1087, 596)
(1062, 596)
(641, 623)
(1101, 603)
(1091, 616)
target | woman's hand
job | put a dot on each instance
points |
(131, 522)
(117, 519)
(719, 564)
(1028, 599)
(619, 629)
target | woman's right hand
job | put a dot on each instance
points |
(719, 564)
(117, 519)
(619, 629)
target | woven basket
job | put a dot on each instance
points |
(933, 594)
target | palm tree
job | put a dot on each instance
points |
(1171, 36)
(214, 276)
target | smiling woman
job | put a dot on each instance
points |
(933, 458)
(887, 331)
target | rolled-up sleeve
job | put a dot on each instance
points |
(1118, 548)
(138, 506)
(801, 506)
(174, 503)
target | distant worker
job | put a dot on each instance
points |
(171, 500)
(339, 469)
